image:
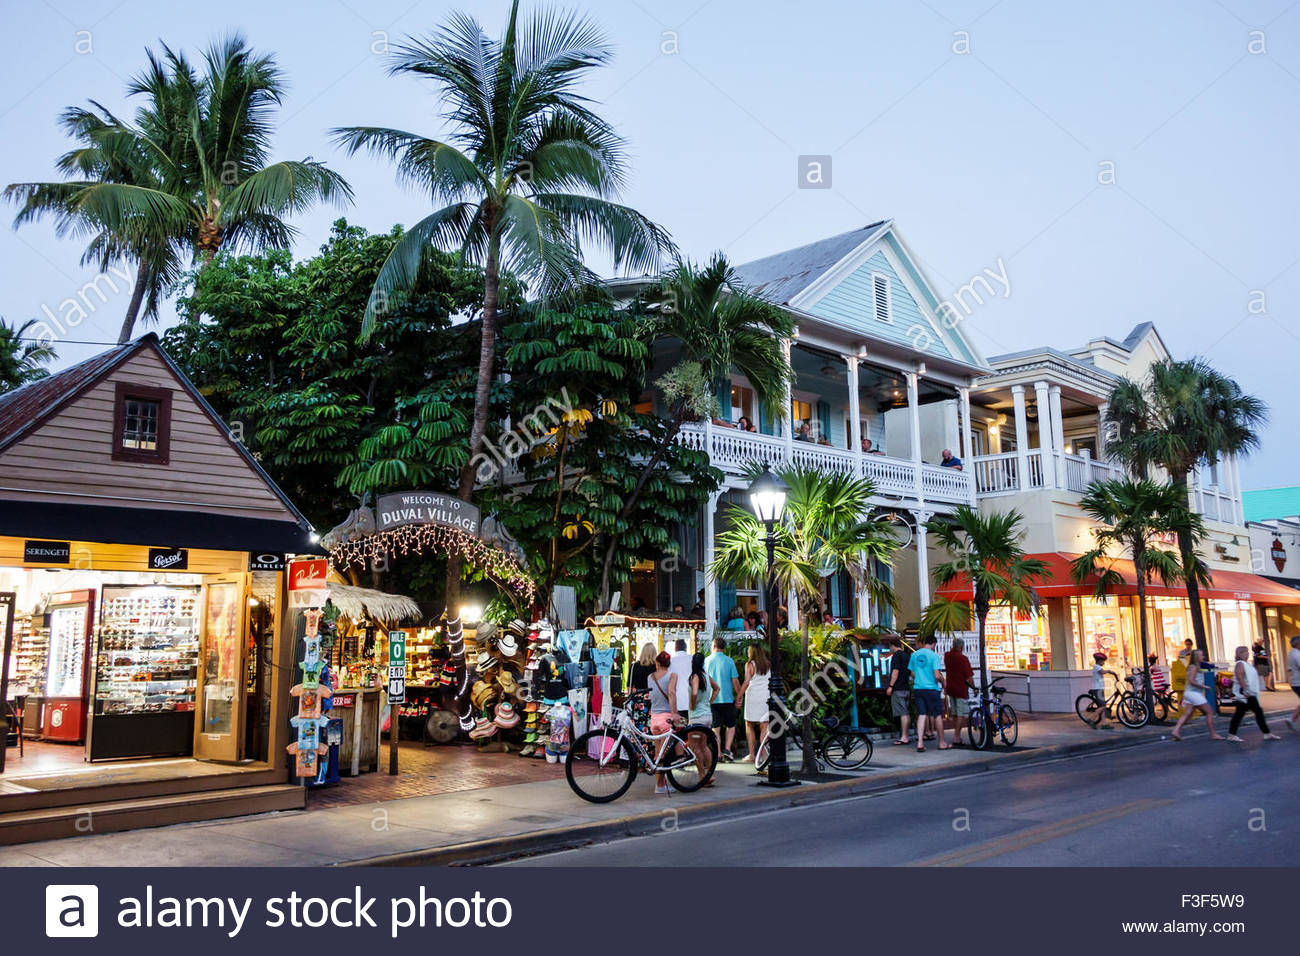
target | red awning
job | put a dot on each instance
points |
(1226, 585)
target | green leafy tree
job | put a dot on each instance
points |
(580, 447)
(22, 357)
(192, 170)
(527, 177)
(275, 346)
(1184, 415)
(986, 549)
(828, 526)
(1133, 515)
(714, 327)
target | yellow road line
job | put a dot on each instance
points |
(1022, 839)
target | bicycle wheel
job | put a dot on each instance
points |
(977, 730)
(1085, 705)
(1159, 708)
(594, 780)
(700, 742)
(847, 751)
(1132, 711)
(1008, 725)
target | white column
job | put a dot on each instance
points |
(1058, 434)
(1236, 490)
(710, 551)
(1046, 445)
(1103, 423)
(1022, 436)
(914, 410)
(967, 439)
(855, 416)
(922, 557)
(789, 409)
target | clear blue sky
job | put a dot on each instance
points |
(979, 155)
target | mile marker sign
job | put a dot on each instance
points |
(397, 667)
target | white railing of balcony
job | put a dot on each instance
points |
(1035, 459)
(733, 451)
(996, 474)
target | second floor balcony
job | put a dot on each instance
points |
(897, 480)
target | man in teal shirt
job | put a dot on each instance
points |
(722, 669)
(927, 690)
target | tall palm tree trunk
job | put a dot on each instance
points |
(1187, 550)
(482, 396)
(133, 307)
(1142, 629)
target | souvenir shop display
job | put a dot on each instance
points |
(30, 654)
(146, 667)
(312, 694)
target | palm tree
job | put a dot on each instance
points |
(986, 548)
(828, 526)
(106, 154)
(714, 326)
(1133, 514)
(21, 357)
(1184, 415)
(528, 175)
(192, 172)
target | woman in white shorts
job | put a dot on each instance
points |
(1194, 696)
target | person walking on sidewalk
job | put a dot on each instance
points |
(959, 683)
(1245, 694)
(899, 690)
(1293, 676)
(927, 688)
(754, 692)
(1194, 696)
(722, 671)
(663, 712)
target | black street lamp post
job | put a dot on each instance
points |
(767, 494)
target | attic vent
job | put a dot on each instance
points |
(884, 312)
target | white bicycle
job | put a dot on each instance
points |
(602, 763)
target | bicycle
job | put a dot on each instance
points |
(1127, 706)
(844, 748)
(1001, 721)
(602, 763)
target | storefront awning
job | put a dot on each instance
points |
(1226, 585)
(153, 527)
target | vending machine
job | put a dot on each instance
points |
(71, 618)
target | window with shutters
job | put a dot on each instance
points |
(884, 307)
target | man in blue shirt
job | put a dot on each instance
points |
(722, 669)
(927, 690)
(950, 460)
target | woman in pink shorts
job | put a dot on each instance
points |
(663, 710)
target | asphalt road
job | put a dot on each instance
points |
(1164, 804)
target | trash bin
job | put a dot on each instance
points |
(329, 767)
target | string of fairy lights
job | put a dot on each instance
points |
(416, 539)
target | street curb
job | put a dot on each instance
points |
(498, 849)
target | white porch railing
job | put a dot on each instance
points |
(998, 475)
(733, 451)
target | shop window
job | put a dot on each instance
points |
(142, 424)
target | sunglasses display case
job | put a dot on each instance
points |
(145, 672)
(63, 711)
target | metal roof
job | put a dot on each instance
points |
(780, 277)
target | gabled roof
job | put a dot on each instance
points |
(780, 277)
(24, 408)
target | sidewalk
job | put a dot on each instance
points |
(480, 825)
